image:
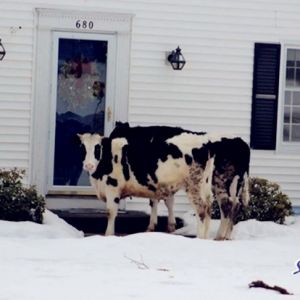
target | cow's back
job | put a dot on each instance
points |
(147, 134)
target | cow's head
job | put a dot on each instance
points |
(91, 151)
(121, 130)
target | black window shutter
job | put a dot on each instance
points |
(265, 96)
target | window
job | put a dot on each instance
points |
(291, 103)
(275, 123)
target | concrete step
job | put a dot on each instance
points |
(93, 221)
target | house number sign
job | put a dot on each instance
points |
(84, 24)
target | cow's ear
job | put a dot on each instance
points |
(121, 124)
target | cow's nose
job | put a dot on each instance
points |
(88, 167)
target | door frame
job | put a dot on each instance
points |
(109, 100)
(47, 22)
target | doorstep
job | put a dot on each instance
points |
(94, 221)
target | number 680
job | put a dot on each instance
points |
(84, 24)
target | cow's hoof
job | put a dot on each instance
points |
(171, 228)
(150, 229)
(220, 239)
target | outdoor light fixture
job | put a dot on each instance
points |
(176, 59)
(2, 51)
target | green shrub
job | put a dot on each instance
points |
(267, 203)
(19, 203)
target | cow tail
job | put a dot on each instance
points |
(245, 197)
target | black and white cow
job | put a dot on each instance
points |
(120, 168)
(230, 176)
(147, 135)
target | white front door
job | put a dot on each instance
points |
(82, 95)
(81, 76)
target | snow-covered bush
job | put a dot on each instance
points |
(19, 203)
(267, 203)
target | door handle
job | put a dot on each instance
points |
(109, 113)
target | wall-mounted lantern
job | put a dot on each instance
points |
(176, 59)
(2, 51)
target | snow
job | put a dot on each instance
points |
(53, 228)
(55, 261)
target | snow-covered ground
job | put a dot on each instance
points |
(54, 261)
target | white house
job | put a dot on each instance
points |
(83, 64)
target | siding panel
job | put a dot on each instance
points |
(17, 34)
(13, 147)
(11, 122)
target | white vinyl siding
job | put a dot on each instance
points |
(212, 93)
(16, 80)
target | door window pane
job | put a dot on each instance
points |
(80, 104)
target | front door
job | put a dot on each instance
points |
(82, 101)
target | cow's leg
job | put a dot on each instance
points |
(229, 205)
(222, 199)
(112, 204)
(153, 215)
(169, 202)
(202, 213)
(206, 190)
(208, 196)
(245, 191)
(241, 199)
(208, 218)
(96, 186)
(200, 196)
(233, 213)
